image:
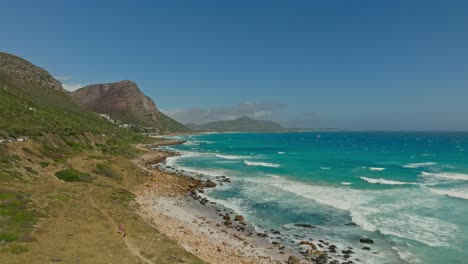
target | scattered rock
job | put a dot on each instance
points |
(305, 225)
(293, 260)
(227, 217)
(366, 248)
(366, 240)
(239, 218)
(210, 184)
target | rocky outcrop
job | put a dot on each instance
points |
(112, 98)
(125, 102)
(366, 240)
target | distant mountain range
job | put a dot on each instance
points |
(49, 107)
(242, 124)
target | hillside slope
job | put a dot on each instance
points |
(124, 101)
(35, 104)
(67, 179)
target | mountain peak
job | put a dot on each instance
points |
(246, 118)
(124, 101)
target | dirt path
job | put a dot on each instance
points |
(135, 251)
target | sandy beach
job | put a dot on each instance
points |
(170, 202)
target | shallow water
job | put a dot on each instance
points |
(406, 191)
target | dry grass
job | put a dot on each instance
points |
(77, 219)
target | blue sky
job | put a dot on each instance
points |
(384, 65)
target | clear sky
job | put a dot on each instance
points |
(398, 65)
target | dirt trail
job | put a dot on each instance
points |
(135, 251)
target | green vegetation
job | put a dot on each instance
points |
(62, 134)
(30, 170)
(108, 171)
(62, 197)
(30, 107)
(17, 217)
(44, 164)
(72, 175)
(17, 249)
(122, 196)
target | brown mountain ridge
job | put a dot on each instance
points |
(124, 101)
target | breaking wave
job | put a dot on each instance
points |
(454, 192)
(446, 175)
(230, 157)
(262, 164)
(376, 169)
(419, 165)
(386, 182)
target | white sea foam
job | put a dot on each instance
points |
(386, 182)
(376, 169)
(378, 211)
(446, 175)
(192, 143)
(325, 168)
(281, 152)
(406, 255)
(210, 173)
(346, 183)
(419, 165)
(230, 157)
(452, 192)
(262, 164)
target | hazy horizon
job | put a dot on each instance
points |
(361, 65)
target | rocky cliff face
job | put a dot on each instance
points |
(113, 98)
(124, 101)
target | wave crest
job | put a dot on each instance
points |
(454, 193)
(229, 157)
(262, 164)
(386, 182)
(376, 169)
(418, 165)
(446, 175)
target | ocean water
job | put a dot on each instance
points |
(406, 191)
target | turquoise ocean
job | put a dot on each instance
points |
(408, 191)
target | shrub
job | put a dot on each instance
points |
(72, 175)
(44, 164)
(122, 196)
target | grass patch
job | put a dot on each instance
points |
(108, 171)
(62, 197)
(30, 170)
(95, 157)
(17, 249)
(8, 174)
(122, 196)
(44, 164)
(72, 175)
(17, 218)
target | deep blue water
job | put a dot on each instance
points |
(406, 191)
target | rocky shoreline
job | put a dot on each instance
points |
(174, 203)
